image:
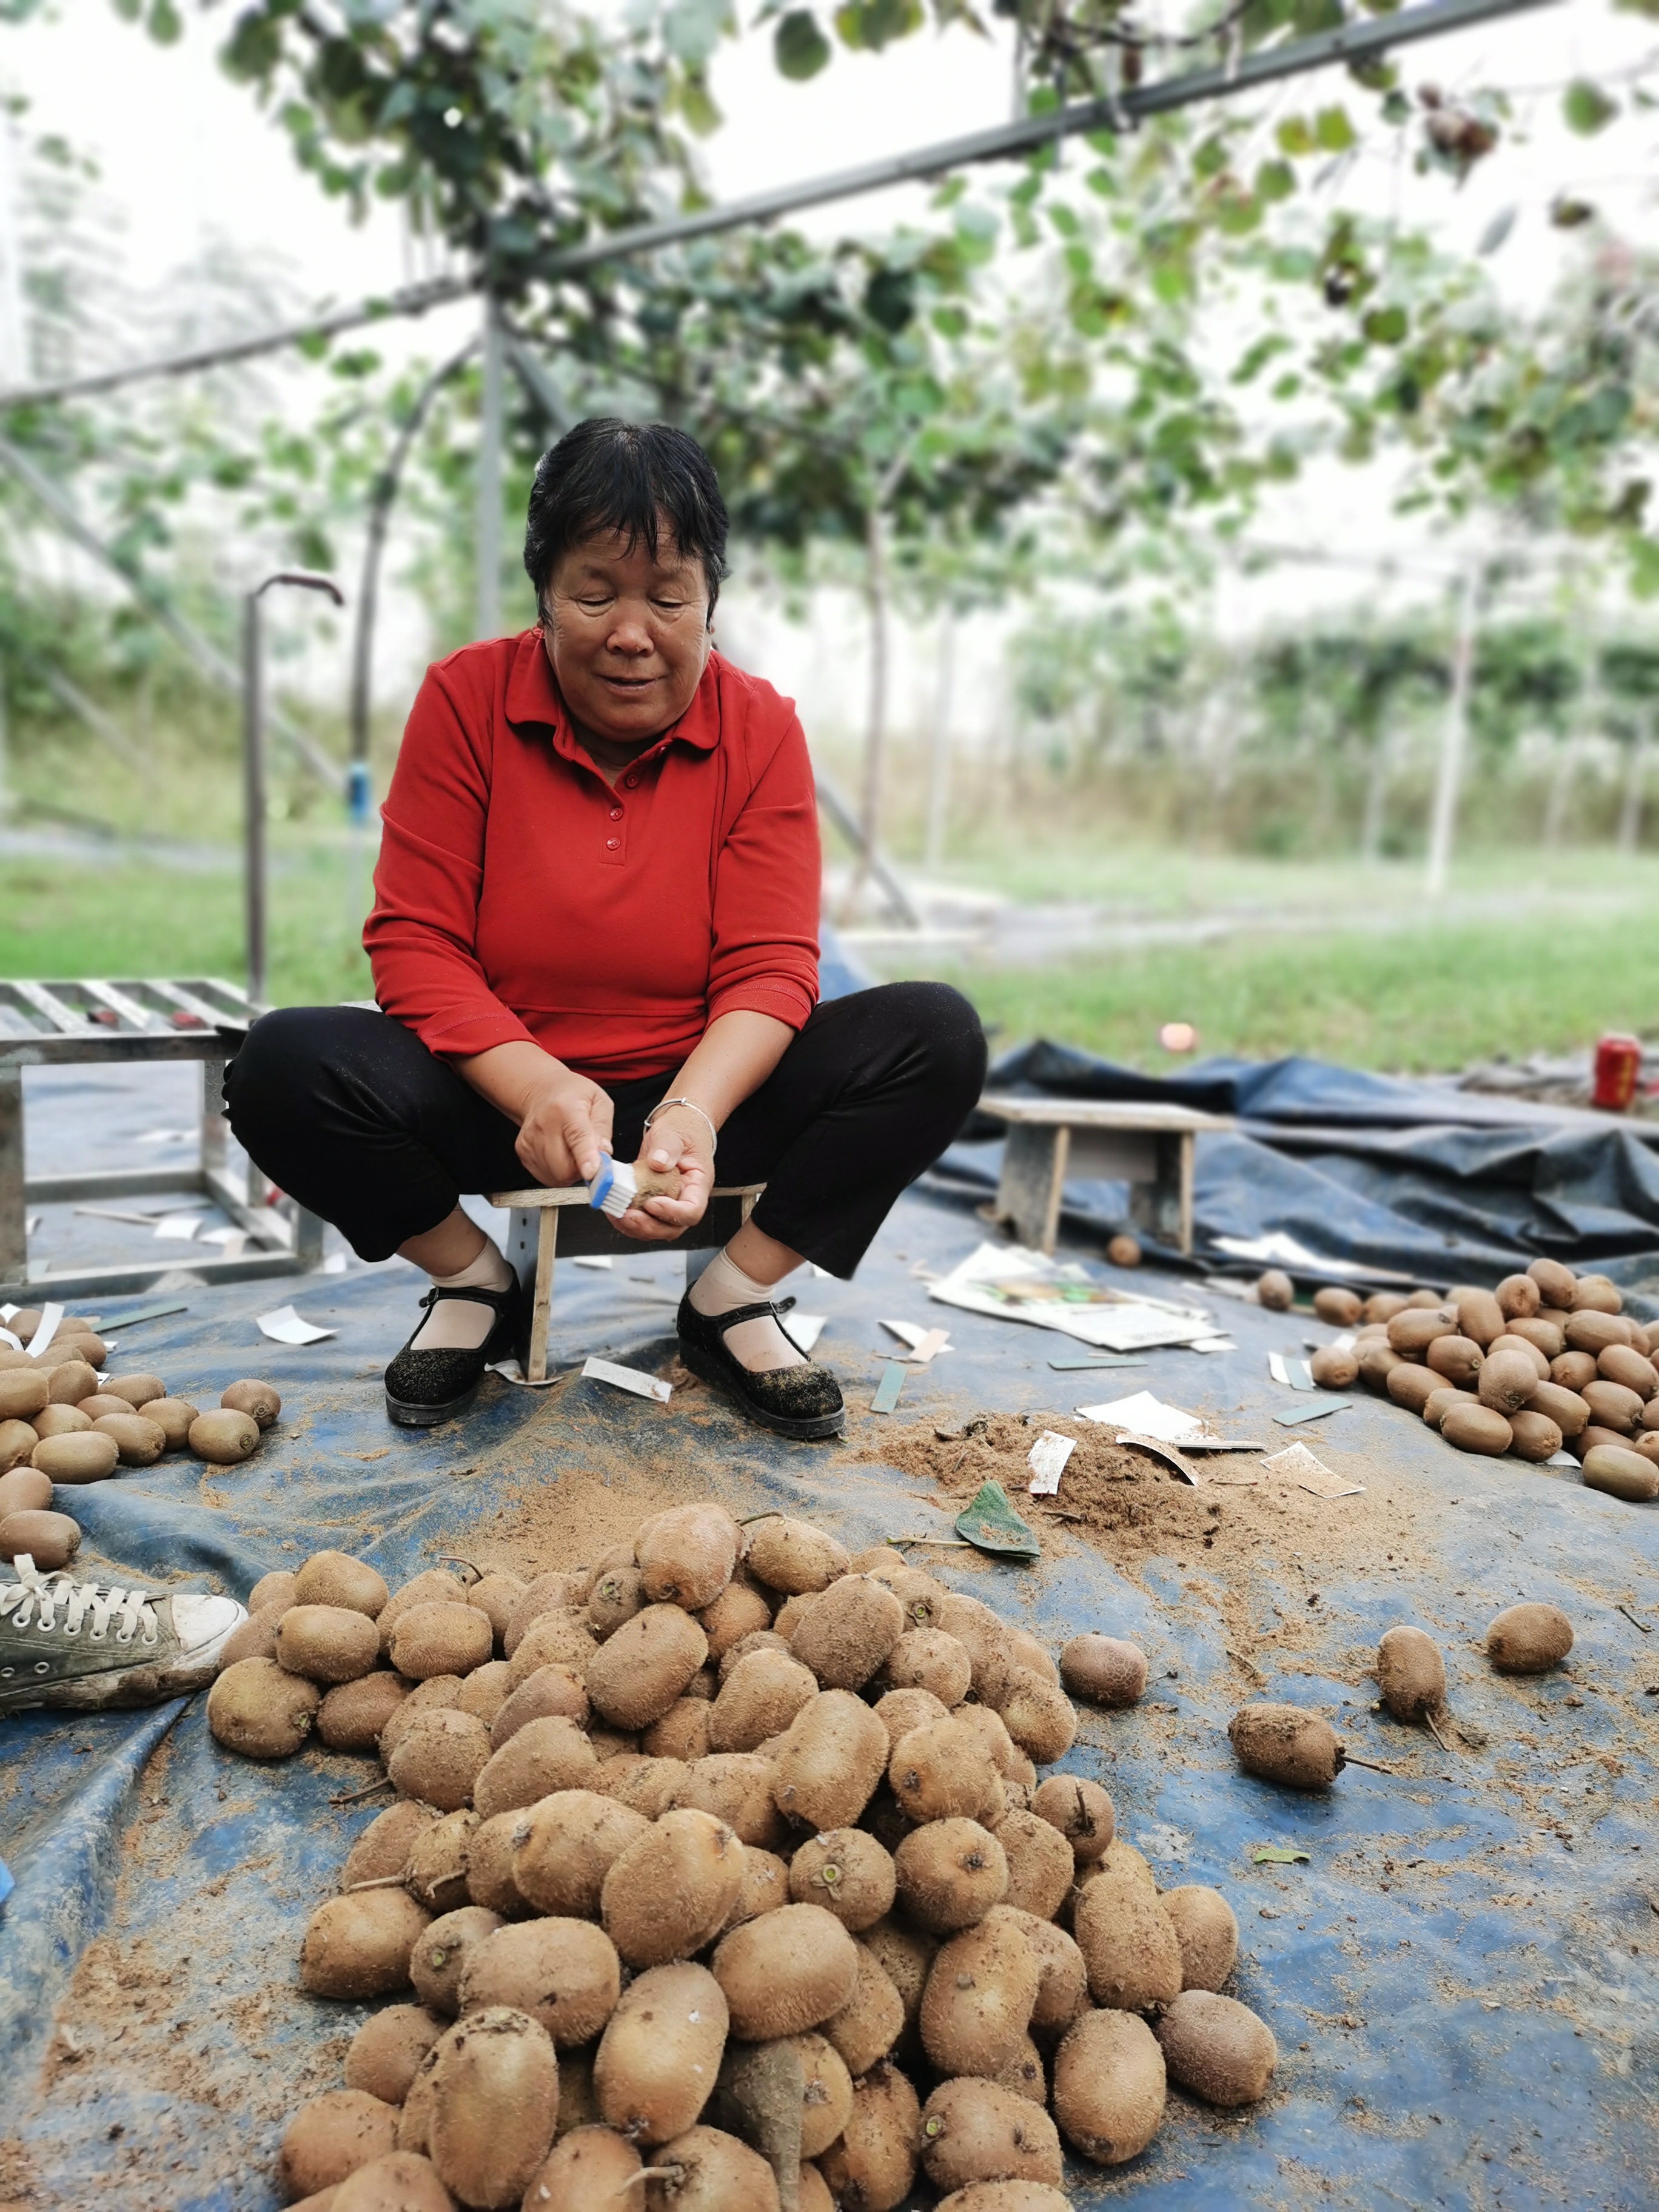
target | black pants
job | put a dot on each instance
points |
(346, 1110)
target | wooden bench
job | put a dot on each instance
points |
(1147, 1146)
(106, 1024)
(535, 1240)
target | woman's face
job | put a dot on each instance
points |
(628, 636)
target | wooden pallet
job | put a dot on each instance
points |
(91, 1020)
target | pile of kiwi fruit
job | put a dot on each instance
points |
(721, 1877)
(64, 1423)
(1547, 1361)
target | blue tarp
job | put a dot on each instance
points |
(1460, 1977)
(1375, 1175)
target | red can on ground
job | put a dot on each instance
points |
(1618, 1065)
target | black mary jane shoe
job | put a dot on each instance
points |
(796, 1401)
(423, 1388)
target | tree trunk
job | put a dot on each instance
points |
(1555, 803)
(1636, 776)
(938, 763)
(872, 792)
(1375, 820)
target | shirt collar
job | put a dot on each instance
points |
(533, 697)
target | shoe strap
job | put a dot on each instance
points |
(500, 1300)
(766, 1309)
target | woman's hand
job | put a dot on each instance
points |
(565, 1127)
(677, 1139)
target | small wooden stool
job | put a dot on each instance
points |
(1147, 1145)
(534, 1242)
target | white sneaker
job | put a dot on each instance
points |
(95, 1646)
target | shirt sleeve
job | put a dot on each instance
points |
(422, 936)
(765, 954)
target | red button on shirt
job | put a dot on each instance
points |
(498, 917)
(616, 814)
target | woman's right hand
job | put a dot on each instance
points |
(564, 1120)
(565, 1127)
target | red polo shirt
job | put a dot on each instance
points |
(518, 895)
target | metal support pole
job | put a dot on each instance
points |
(1453, 736)
(253, 763)
(488, 622)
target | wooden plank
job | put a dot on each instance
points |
(13, 1239)
(1033, 1177)
(541, 1302)
(1100, 1114)
(66, 1020)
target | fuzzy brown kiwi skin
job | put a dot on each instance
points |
(1217, 2048)
(666, 1895)
(786, 1972)
(1207, 1932)
(359, 1947)
(660, 2051)
(330, 2138)
(1109, 2087)
(847, 1872)
(950, 1873)
(387, 2052)
(974, 2130)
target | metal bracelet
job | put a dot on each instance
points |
(662, 1106)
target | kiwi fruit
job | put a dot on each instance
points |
(1416, 1328)
(496, 1594)
(759, 1698)
(901, 1710)
(1412, 1386)
(977, 2005)
(685, 1556)
(328, 1643)
(259, 1400)
(785, 1971)
(1338, 1307)
(847, 1630)
(1546, 1337)
(1621, 1474)
(1080, 1810)
(173, 1416)
(1284, 1743)
(1207, 1932)
(435, 1874)
(385, 1845)
(564, 1973)
(618, 1595)
(928, 1659)
(23, 1393)
(259, 1709)
(1039, 1715)
(1129, 1945)
(51, 1539)
(537, 1761)
(387, 2052)
(138, 1442)
(59, 1421)
(1593, 1332)
(738, 1610)
(1525, 1349)
(974, 2130)
(352, 1714)
(224, 1439)
(90, 1456)
(660, 2052)
(570, 1842)
(24, 1490)
(985, 1637)
(335, 1578)
(826, 2093)
(1456, 1359)
(359, 1945)
(555, 1593)
(847, 1872)
(1518, 1298)
(1040, 1863)
(1619, 1363)
(1477, 1428)
(1533, 1434)
(436, 1585)
(441, 1639)
(1596, 1294)
(591, 2169)
(551, 1693)
(402, 2181)
(1023, 2075)
(439, 1757)
(494, 2092)
(71, 1382)
(765, 1886)
(873, 2165)
(487, 1858)
(1481, 1317)
(706, 2169)
(1529, 1640)
(1109, 2087)
(1571, 1370)
(1376, 1363)
(277, 1587)
(430, 1696)
(484, 1691)
(439, 1954)
(793, 1557)
(941, 1771)
(1104, 1670)
(651, 1786)
(831, 1758)
(1410, 1675)
(1334, 1367)
(668, 1893)
(682, 1733)
(329, 2138)
(871, 2022)
(1274, 1289)
(1217, 2048)
(736, 1787)
(1612, 1406)
(906, 1956)
(634, 1676)
(17, 1440)
(757, 1639)
(1062, 1974)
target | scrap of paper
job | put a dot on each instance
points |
(1212, 1344)
(166, 1137)
(1148, 1416)
(592, 1259)
(1296, 1463)
(50, 1317)
(510, 1371)
(1047, 1461)
(926, 1344)
(1074, 1363)
(148, 1313)
(803, 1330)
(1319, 1412)
(1293, 1374)
(629, 1378)
(1167, 1453)
(181, 1226)
(230, 1241)
(1009, 1283)
(887, 1390)
(335, 1264)
(285, 1326)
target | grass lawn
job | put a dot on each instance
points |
(1375, 982)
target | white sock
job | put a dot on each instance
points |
(462, 1324)
(760, 1344)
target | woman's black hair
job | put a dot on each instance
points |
(637, 477)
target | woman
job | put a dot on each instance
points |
(595, 931)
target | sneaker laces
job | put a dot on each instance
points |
(35, 1599)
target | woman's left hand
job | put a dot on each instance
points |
(677, 1139)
